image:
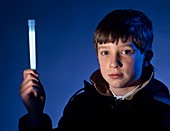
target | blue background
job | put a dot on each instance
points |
(65, 53)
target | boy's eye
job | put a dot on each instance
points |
(104, 52)
(125, 52)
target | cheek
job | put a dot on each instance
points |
(103, 67)
(134, 67)
(138, 65)
(102, 63)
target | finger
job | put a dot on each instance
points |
(32, 91)
(29, 71)
(29, 93)
(31, 85)
(28, 79)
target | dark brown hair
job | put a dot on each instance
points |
(122, 24)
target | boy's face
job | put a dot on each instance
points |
(120, 63)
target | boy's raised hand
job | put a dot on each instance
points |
(32, 92)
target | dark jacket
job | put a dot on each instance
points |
(94, 107)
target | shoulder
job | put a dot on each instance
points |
(83, 93)
(163, 99)
(159, 87)
(81, 99)
(162, 92)
(158, 91)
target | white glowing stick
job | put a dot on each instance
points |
(32, 44)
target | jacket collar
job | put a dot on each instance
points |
(103, 88)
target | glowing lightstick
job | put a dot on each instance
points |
(32, 43)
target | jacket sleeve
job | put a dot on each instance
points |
(30, 124)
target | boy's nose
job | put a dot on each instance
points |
(115, 63)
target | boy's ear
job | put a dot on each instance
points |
(148, 57)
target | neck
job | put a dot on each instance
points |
(122, 91)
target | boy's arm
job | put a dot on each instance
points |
(33, 96)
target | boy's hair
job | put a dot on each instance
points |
(122, 24)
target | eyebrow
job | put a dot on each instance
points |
(103, 47)
(127, 45)
(106, 47)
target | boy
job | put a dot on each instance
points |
(123, 93)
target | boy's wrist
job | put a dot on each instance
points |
(35, 122)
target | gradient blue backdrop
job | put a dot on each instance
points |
(65, 53)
